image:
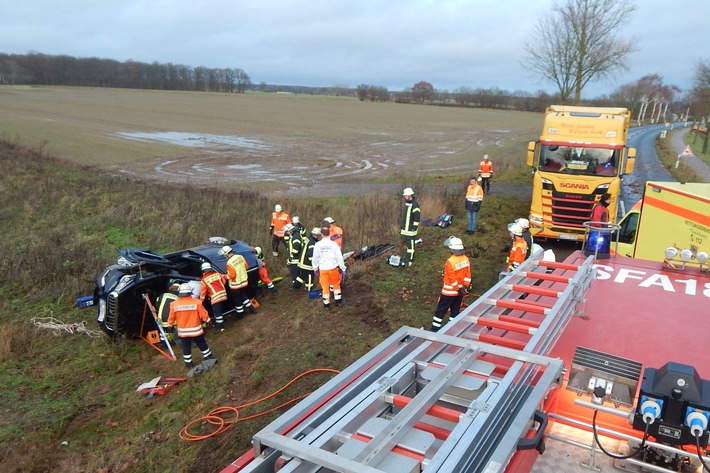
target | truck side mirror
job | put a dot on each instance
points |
(630, 160)
(531, 153)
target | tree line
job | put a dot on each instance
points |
(42, 69)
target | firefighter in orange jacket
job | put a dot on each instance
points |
(263, 273)
(336, 233)
(519, 248)
(213, 285)
(238, 280)
(188, 314)
(278, 220)
(485, 172)
(457, 283)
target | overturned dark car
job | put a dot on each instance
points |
(121, 286)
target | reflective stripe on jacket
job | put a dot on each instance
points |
(518, 252)
(410, 220)
(306, 259)
(457, 274)
(485, 169)
(237, 272)
(213, 286)
(188, 314)
(474, 193)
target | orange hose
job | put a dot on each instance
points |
(215, 416)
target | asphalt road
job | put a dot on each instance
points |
(647, 168)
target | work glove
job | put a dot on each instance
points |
(463, 290)
(505, 250)
(342, 275)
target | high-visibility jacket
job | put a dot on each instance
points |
(474, 193)
(278, 221)
(599, 214)
(237, 272)
(518, 252)
(213, 285)
(164, 301)
(485, 169)
(293, 244)
(457, 274)
(188, 314)
(410, 220)
(327, 255)
(336, 234)
(306, 259)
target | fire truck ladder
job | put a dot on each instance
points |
(464, 399)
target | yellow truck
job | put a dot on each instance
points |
(580, 155)
(671, 220)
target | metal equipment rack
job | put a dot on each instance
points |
(464, 399)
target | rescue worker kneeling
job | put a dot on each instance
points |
(189, 313)
(457, 283)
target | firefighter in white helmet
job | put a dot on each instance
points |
(213, 285)
(527, 236)
(519, 248)
(263, 273)
(410, 223)
(279, 219)
(329, 268)
(188, 314)
(457, 283)
(238, 280)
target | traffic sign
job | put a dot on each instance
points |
(687, 151)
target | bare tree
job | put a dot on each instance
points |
(701, 96)
(422, 91)
(579, 42)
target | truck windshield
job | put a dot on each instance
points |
(578, 160)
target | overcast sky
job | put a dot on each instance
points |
(390, 43)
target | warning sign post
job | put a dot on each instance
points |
(686, 152)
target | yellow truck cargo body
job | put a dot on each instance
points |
(581, 154)
(670, 214)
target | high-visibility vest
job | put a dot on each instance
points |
(485, 168)
(213, 286)
(518, 252)
(164, 302)
(188, 313)
(457, 274)
(336, 234)
(237, 272)
(294, 245)
(474, 193)
(278, 221)
(410, 220)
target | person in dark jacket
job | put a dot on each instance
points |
(410, 224)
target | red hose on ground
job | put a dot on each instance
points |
(215, 418)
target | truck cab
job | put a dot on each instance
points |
(581, 154)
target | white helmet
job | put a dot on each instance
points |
(258, 251)
(330, 220)
(316, 231)
(225, 250)
(278, 208)
(485, 156)
(523, 222)
(206, 267)
(515, 229)
(408, 191)
(184, 289)
(455, 243)
(288, 227)
(296, 220)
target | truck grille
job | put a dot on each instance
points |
(568, 211)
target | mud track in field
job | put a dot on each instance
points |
(354, 165)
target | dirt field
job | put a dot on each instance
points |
(277, 143)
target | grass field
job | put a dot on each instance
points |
(270, 142)
(68, 401)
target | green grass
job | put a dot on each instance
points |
(61, 225)
(669, 158)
